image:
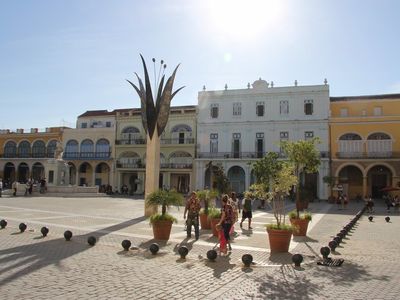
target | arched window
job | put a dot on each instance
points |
(131, 129)
(38, 149)
(71, 149)
(350, 137)
(24, 149)
(87, 148)
(102, 148)
(181, 127)
(51, 148)
(10, 149)
(378, 136)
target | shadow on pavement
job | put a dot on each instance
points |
(31, 257)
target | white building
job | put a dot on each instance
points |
(235, 127)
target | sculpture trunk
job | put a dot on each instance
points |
(152, 169)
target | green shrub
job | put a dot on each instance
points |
(162, 217)
(279, 227)
(214, 213)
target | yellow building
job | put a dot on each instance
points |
(365, 143)
(24, 153)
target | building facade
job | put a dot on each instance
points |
(24, 154)
(236, 127)
(365, 143)
(88, 149)
(177, 150)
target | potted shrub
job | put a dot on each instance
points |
(214, 215)
(206, 196)
(274, 180)
(299, 223)
(162, 223)
(304, 157)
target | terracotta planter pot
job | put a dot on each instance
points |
(300, 226)
(205, 221)
(162, 229)
(214, 222)
(279, 240)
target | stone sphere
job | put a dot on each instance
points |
(183, 251)
(325, 251)
(297, 259)
(67, 235)
(126, 244)
(387, 219)
(333, 244)
(370, 218)
(247, 259)
(212, 255)
(91, 240)
(154, 248)
(22, 227)
(44, 230)
(3, 223)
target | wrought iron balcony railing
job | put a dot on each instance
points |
(140, 141)
(368, 155)
(86, 155)
(246, 155)
(27, 155)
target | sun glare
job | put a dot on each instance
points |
(240, 20)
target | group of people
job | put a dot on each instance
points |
(230, 210)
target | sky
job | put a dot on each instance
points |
(60, 58)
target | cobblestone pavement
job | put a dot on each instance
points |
(33, 267)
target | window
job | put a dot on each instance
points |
(308, 107)
(214, 111)
(308, 135)
(237, 109)
(84, 125)
(108, 124)
(260, 109)
(344, 112)
(214, 142)
(260, 144)
(378, 111)
(284, 135)
(236, 145)
(284, 107)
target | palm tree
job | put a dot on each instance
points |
(165, 199)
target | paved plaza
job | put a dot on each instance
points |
(33, 267)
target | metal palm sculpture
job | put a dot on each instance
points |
(155, 115)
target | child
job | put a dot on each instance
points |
(222, 240)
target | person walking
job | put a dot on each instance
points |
(247, 209)
(1, 186)
(192, 209)
(14, 187)
(227, 219)
(234, 202)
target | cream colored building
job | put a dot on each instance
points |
(177, 150)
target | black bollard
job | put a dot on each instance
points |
(3, 224)
(247, 259)
(370, 218)
(387, 219)
(91, 240)
(44, 230)
(212, 255)
(325, 251)
(332, 245)
(67, 235)
(22, 227)
(154, 248)
(126, 244)
(297, 259)
(183, 251)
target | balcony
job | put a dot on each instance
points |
(136, 141)
(368, 155)
(177, 141)
(87, 155)
(27, 155)
(245, 155)
(120, 165)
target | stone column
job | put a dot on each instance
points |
(365, 186)
(152, 169)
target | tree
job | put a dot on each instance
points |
(274, 180)
(304, 157)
